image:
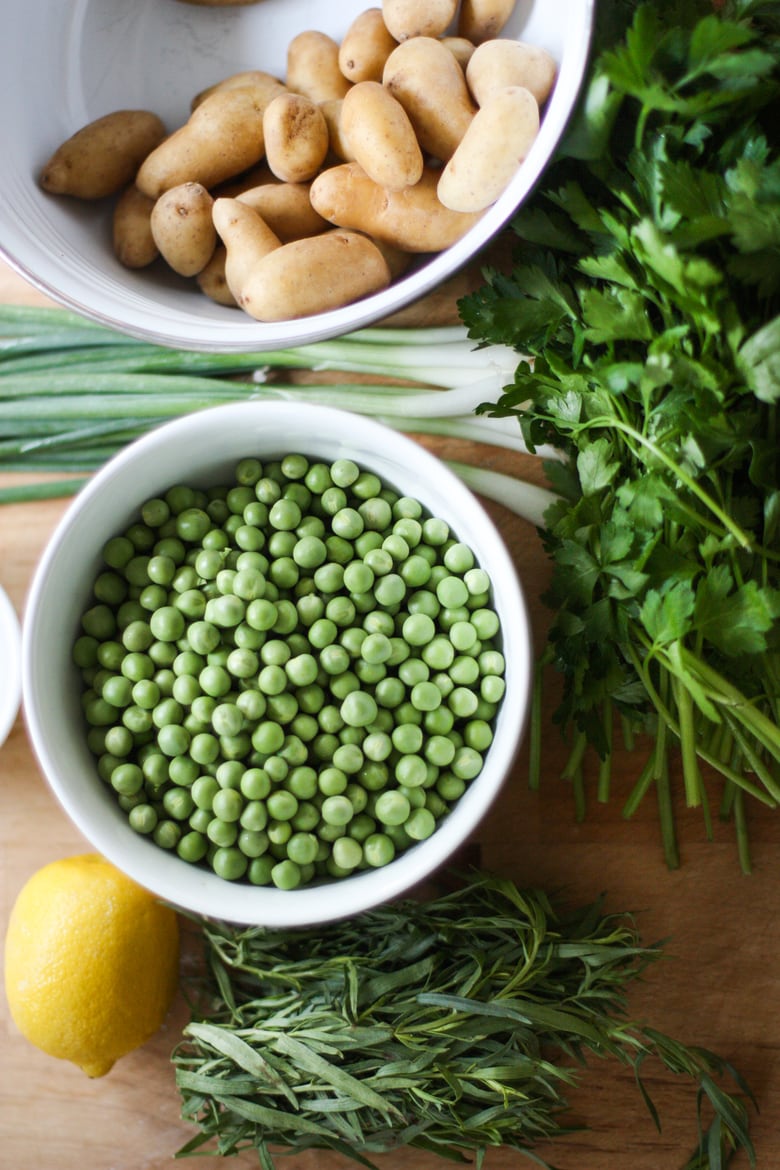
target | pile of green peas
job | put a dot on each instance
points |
(291, 677)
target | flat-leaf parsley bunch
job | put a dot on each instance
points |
(645, 290)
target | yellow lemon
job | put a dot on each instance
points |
(91, 962)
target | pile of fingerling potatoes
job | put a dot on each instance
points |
(292, 197)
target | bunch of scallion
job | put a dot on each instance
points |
(451, 1026)
(73, 393)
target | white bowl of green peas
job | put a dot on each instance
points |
(276, 663)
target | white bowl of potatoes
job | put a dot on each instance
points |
(266, 173)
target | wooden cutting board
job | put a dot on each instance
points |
(717, 986)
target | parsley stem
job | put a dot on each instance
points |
(535, 727)
(665, 810)
(605, 764)
(754, 761)
(691, 774)
(639, 791)
(740, 822)
(732, 699)
(573, 772)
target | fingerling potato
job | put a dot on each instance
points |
(461, 49)
(380, 136)
(183, 229)
(365, 47)
(266, 85)
(410, 18)
(332, 111)
(222, 137)
(296, 137)
(313, 66)
(479, 20)
(131, 229)
(501, 63)
(423, 75)
(412, 219)
(314, 276)
(247, 239)
(495, 144)
(102, 157)
(211, 279)
(286, 209)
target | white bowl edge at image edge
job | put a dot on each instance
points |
(10, 666)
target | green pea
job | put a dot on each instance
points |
(200, 819)
(450, 787)
(375, 513)
(462, 701)
(226, 611)
(420, 824)
(389, 692)
(173, 740)
(464, 670)
(347, 523)
(282, 805)
(344, 472)
(117, 551)
(347, 853)
(378, 850)
(411, 770)
(491, 688)
(252, 843)
(178, 803)
(391, 808)
(241, 663)
(143, 819)
(337, 810)
(127, 779)
(452, 592)
(390, 590)
(302, 848)
(418, 629)
(117, 690)
(286, 875)
(358, 709)
(425, 696)
(260, 869)
(203, 791)
(192, 524)
(167, 834)
(228, 804)
(407, 506)
(379, 561)
(119, 741)
(215, 681)
(485, 622)
(183, 771)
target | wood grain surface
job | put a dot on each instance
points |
(716, 986)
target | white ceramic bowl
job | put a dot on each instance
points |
(200, 449)
(10, 670)
(75, 60)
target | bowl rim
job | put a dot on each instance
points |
(218, 333)
(206, 893)
(11, 675)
